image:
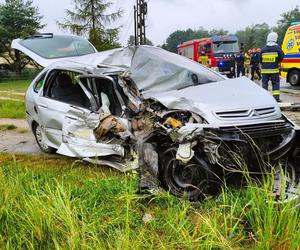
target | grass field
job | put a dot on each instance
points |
(55, 203)
(12, 109)
(17, 86)
(12, 99)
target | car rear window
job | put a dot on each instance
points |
(58, 46)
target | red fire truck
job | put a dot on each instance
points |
(220, 50)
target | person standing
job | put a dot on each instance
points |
(255, 60)
(247, 60)
(271, 56)
(203, 59)
(240, 64)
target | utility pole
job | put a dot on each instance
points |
(140, 12)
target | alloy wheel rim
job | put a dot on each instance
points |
(40, 138)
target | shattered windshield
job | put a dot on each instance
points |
(225, 47)
(156, 70)
(58, 46)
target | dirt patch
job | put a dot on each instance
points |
(20, 123)
(16, 142)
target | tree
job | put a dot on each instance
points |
(131, 41)
(17, 19)
(90, 18)
(181, 36)
(285, 22)
(219, 32)
(254, 36)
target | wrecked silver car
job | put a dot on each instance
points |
(189, 127)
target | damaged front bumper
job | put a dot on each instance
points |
(268, 142)
(253, 148)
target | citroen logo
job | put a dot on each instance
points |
(254, 113)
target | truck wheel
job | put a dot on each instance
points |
(294, 77)
(194, 181)
(39, 137)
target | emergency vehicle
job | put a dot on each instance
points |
(220, 50)
(290, 66)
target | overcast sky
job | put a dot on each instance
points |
(166, 16)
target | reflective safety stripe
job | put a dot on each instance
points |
(269, 57)
(270, 71)
(270, 53)
(276, 92)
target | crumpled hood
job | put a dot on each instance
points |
(230, 95)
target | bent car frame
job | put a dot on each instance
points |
(189, 128)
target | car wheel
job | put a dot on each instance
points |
(294, 77)
(39, 137)
(194, 181)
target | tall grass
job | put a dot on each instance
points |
(50, 205)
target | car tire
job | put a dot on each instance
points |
(195, 181)
(39, 137)
(294, 77)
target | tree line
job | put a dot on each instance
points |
(253, 36)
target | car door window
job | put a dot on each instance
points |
(39, 83)
(63, 87)
(207, 48)
(104, 92)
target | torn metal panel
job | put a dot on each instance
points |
(79, 139)
(286, 186)
(120, 166)
(148, 167)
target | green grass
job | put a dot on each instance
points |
(13, 90)
(17, 86)
(12, 109)
(56, 203)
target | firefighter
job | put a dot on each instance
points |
(240, 64)
(270, 58)
(255, 69)
(203, 59)
(247, 60)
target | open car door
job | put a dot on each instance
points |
(95, 135)
(46, 49)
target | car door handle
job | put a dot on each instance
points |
(43, 105)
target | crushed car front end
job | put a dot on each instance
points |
(196, 159)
